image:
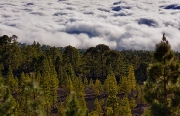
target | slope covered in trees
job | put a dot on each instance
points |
(33, 74)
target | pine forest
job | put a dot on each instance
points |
(43, 80)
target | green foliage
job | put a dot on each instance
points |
(124, 85)
(141, 72)
(53, 84)
(109, 111)
(161, 85)
(133, 103)
(37, 99)
(112, 101)
(98, 107)
(38, 77)
(102, 49)
(11, 81)
(22, 80)
(124, 107)
(113, 61)
(30, 97)
(79, 90)
(111, 83)
(42, 69)
(61, 75)
(69, 85)
(94, 113)
(61, 110)
(140, 93)
(147, 112)
(55, 55)
(131, 78)
(72, 56)
(29, 58)
(91, 84)
(72, 106)
(78, 87)
(97, 87)
(10, 52)
(90, 57)
(82, 104)
(111, 87)
(85, 82)
(163, 52)
(44, 84)
(7, 103)
(70, 72)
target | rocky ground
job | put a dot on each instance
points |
(90, 97)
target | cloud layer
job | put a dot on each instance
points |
(121, 24)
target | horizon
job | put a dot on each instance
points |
(120, 24)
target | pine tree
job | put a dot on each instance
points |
(72, 106)
(10, 81)
(93, 113)
(44, 84)
(91, 62)
(97, 87)
(85, 82)
(113, 61)
(61, 110)
(29, 57)
(10, 52)
(102, 49)
(147, 112)
(37, 46)
(91, 84)
(22, 80)
(98, 107)
(82, 104)
(54, 53)
(161, 90)
(14, 58)
(54, 84)
(1, 87)
(132, 103)
(48, 82)
(72, 56)
(111, 87)
(124, 85)
(124, 107)
(71, 73)
(31, 99)
(38, 77)
(112, 100)
(79, 90)
(78, 87)
(24, 108)
(61, 75)
(69, 85)
(109, 111)
(36, 99)
(111, 83)
(16, 84)
(141, 92)
(131, 78)
(7, 103)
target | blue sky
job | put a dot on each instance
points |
(121, 24)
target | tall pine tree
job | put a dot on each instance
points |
(161, 90)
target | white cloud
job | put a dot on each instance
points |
(125, 24)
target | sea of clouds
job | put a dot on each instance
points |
(120, 24)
